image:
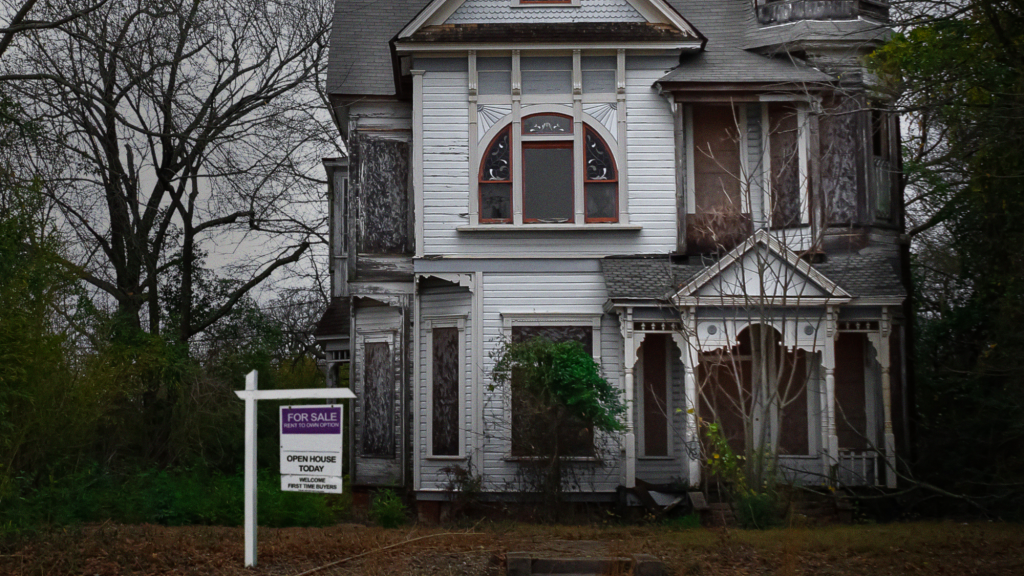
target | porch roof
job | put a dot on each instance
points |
(658, 277)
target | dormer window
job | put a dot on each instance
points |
(548, 163)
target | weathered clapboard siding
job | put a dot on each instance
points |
(442, 303)
(447, 174)
(543, 295)
(378, 324)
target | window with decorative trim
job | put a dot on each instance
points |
(447, 340)
(547, 163)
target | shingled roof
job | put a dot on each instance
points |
(360, 62)
(726, 24)
(657, 278)
(550, 32)
(645, 277)
(335, 321)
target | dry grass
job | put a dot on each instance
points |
(919, 548)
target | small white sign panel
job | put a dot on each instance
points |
(318, 484)
(311, 449)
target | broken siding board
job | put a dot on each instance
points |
(383, 268)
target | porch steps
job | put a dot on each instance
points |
(525, 564)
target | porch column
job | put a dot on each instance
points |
(884, 359)
(830, 440)
(691, 435)
(629, 359)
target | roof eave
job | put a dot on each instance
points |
(412, 46)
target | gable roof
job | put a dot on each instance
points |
(360, 60)
(777, 251)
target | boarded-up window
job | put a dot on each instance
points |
(718, 220)
(792, 393)
(534, 433)
(445, 381)
(378, 401)
(383, 199)
(783, 142)
(656, 408)
(851, 416)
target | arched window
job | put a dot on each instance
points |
(549, 166)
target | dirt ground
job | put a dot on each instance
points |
(876, 550)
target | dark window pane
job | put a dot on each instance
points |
(497, 162)
(547, 184)
(582, 334)
(602, 200)
(547, 124)
(446, 392)
(655, 396)
(598, 81)
(494, 75)
(495, 201)
(378, 401)
(600, 165)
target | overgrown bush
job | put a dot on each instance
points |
(755, 506)
(558, 401)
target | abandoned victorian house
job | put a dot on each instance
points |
(704, 194)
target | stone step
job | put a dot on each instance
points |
(524, 564)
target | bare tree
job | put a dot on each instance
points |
(175, 124)
(18, 16)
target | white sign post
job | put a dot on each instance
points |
(251, 395)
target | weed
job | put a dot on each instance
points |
(387, 509)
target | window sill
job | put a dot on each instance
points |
(541, 458)
(550, 228)
(444, 458)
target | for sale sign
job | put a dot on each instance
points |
(311, 449)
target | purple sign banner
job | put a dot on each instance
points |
(325, 420)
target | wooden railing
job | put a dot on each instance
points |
(859, 468)
(783, 11)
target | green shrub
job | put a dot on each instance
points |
(387, 509)
(758, 511)
(185, 496)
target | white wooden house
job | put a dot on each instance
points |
(703, 193)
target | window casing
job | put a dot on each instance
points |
(548, 163)
(528, 430)
(571, 174)
(446, 341)
(735, 184)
